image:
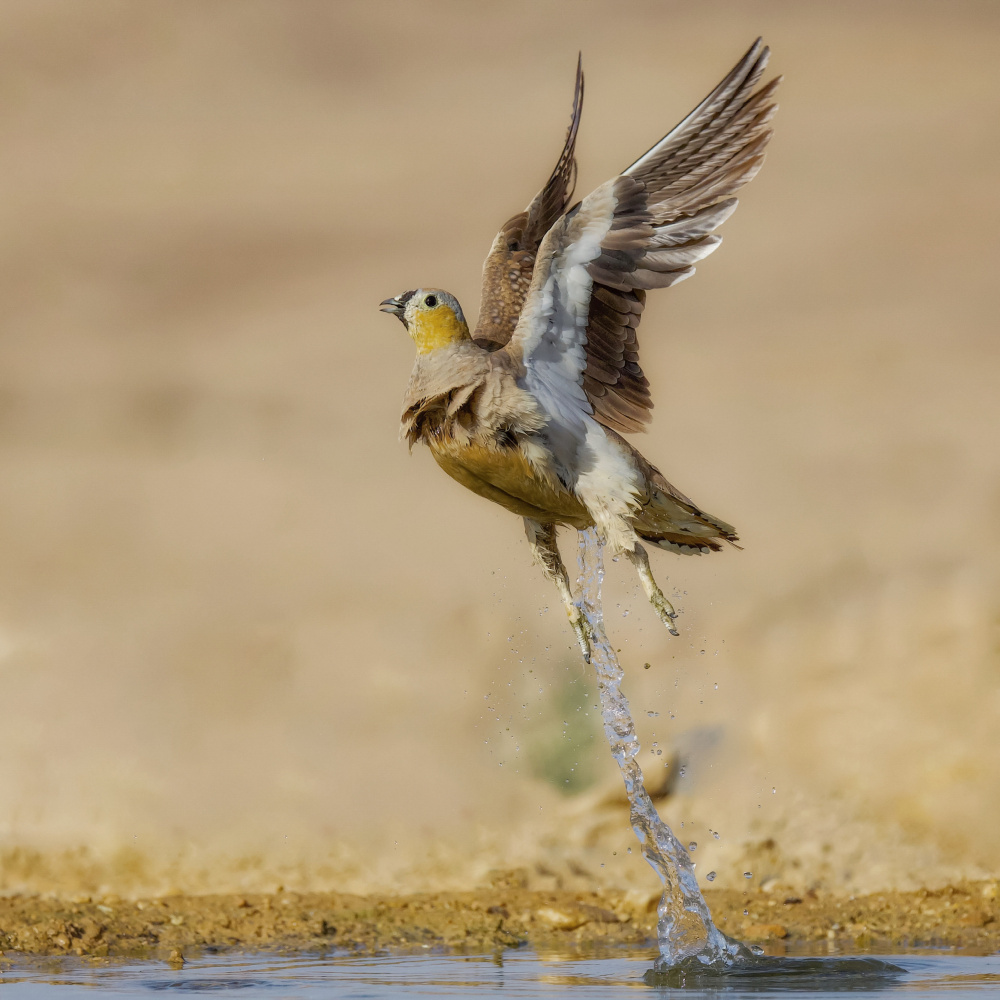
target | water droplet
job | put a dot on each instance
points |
(659, 753)
(682, 771)
(716, 685)
(630, 850)
(693, 846)
(710, 877)
(646, 666)
(748, 874)
(746, 913)
(756, 949)
(652, 714)
(716, 835)
(774, 791)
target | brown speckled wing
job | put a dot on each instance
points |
(511, 261)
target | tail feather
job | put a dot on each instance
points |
(673, 522)
(683, 545)
(666, 517)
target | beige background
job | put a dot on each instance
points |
(246, 639)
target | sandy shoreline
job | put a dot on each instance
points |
(965, 916)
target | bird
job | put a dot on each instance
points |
(530, 408)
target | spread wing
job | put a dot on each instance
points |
(508, 268)
(646, 228)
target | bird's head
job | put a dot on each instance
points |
(432, 317)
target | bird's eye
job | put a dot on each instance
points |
(431, 301)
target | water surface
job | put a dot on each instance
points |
(517, 974)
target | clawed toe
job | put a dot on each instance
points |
(667, 617)
(663, 608)
(579, 623)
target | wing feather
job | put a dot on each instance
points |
(576, 337)
(511, 260)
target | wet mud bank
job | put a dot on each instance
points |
(965, 916)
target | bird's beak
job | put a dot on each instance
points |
(397, 306)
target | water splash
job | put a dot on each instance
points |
(693, 951)
(685, 930)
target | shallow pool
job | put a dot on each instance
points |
(517, 974)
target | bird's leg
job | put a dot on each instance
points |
(663, 608)
(545, 552)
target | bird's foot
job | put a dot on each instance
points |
(664, 611)
(663, 608)
(579, 622)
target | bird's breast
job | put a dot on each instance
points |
(501, 472)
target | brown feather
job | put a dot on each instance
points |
(660, 216)
(668, 203)
(516, 245)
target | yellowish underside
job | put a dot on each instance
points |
(507, 478)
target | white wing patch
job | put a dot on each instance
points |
(645, 229)
(553, 325)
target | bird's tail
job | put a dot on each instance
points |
(679, 526)
(670, 520)
(706, 535)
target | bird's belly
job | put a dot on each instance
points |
(505, 476)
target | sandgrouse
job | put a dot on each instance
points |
(530, 408)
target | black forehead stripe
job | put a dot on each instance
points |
(406, 296)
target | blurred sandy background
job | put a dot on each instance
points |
(246, 640)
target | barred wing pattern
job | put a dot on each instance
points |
(644, 229)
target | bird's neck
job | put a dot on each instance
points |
(433, 329)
